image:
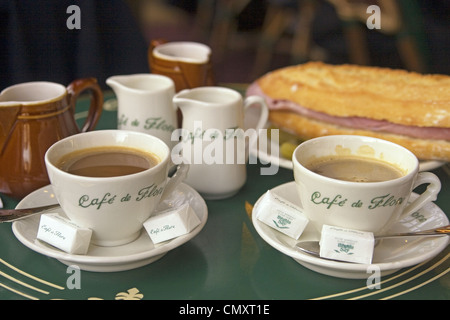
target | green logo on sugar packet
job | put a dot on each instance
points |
(345, 248)
(282, 223)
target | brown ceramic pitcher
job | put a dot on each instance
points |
(188, 64)
(33, 116)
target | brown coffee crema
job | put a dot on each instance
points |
(354, 168)
(108, 161)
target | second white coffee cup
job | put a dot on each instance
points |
(366, 206)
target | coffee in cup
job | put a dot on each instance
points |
(354, 168)
(108, 161)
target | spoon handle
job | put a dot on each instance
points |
(437, 231)
(8, 215)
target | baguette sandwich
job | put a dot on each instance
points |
(316, 99)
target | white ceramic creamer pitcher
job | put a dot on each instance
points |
(145, 104)
(213, 140)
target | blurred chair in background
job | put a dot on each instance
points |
(218, 19)
(399, 18)
(224, 24)
(287, 15)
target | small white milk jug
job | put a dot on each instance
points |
(212, 138)
(145, 104)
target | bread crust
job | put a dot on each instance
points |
(396, 96)
(306, 128)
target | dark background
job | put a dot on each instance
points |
(35, 43)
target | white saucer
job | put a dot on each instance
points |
(390, 255)
(138, 253)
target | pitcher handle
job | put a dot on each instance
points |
(156, 42)
(153, 44)
(75, 88)
(250, 100)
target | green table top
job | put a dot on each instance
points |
(227, 260)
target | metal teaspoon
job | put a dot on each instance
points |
(312, 246)
(9, 215)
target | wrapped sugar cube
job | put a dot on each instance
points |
(282, 215)
(346, 244)
(64, 234)
(171, 223)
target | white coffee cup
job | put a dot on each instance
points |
(366, 206)
(114, 208)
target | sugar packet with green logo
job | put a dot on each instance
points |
(282, 215)
(346, 244)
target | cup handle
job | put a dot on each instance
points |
(429, 195)
(175, 180)
(75, 88)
